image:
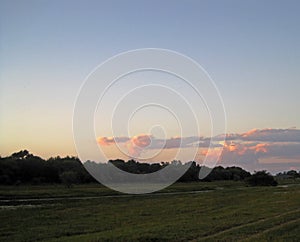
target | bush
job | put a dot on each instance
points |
(69, 178)
(261, 178)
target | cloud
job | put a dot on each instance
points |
(250, 155)
(180, 142)
(267, 135)
(238, 153)
(284, 150)
(139, 143)
(106, 141)
(245, 148)
(273, 135)
(151, 142)
(142, 141)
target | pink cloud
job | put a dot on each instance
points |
(245, 148)
(106, 141)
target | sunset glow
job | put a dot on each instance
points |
(249, 51)
(246, 149)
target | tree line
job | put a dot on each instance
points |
(25, 168)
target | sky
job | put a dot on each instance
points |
(249, 48)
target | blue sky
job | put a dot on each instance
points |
(250, 49)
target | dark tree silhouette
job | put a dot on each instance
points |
(261, 178)
(24, 168)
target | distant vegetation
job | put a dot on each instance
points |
(25, 168)
(261, 178)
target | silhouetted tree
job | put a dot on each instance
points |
(23, 167)
(68, 178)
(261, 178)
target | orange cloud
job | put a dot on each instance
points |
(262, 148)
(246, 148)
(236, 152)
(140, 143)
(105, 141)
(137, 144)
(234, 147)
(250, 132)
(142, 140)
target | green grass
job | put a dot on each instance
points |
(228, 211)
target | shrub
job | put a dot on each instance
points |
(261, 178)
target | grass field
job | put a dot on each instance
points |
(216, 211)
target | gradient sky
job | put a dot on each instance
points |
(47, 48)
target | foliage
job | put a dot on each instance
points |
(68, 178)
(25, 168)
(292, 174)
(261, 178)
(229, 173)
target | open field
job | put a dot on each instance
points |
(223, 211)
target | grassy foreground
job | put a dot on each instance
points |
(219, 211)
